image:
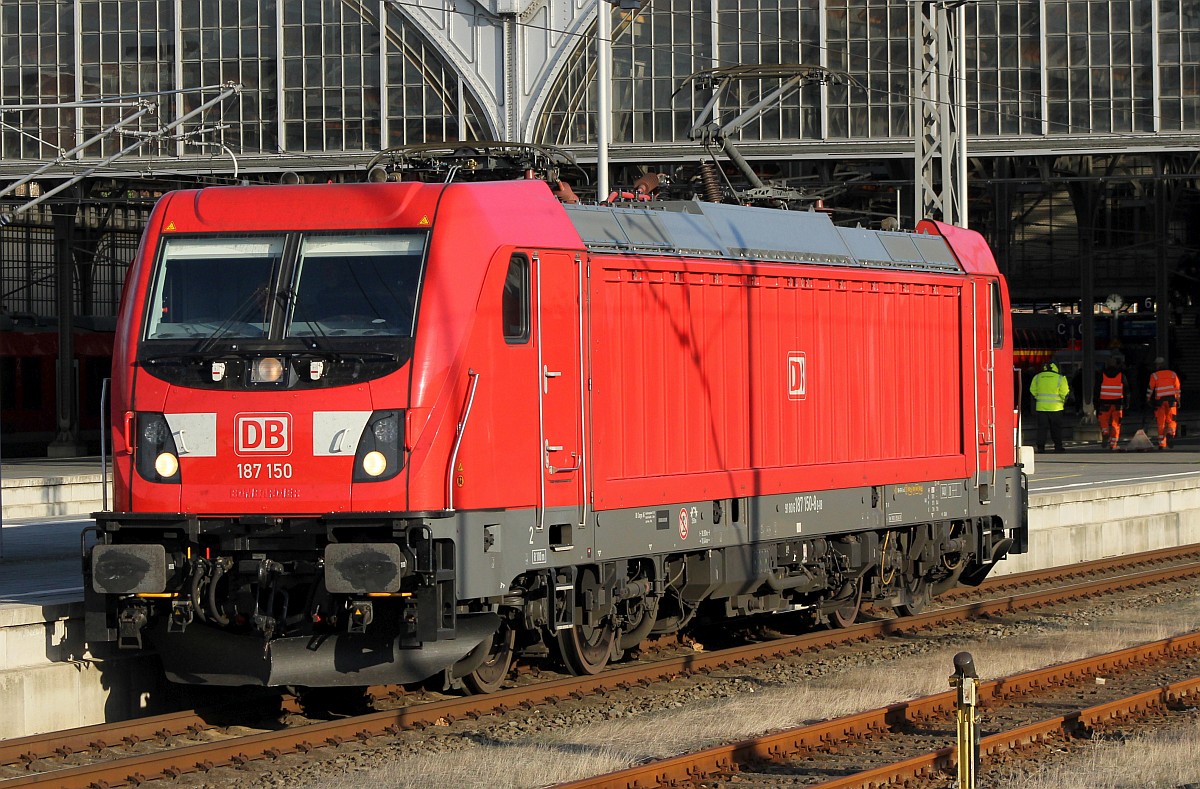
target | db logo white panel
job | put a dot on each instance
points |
(263, 434)
(797, 372)
(337, 432)
(195, 434)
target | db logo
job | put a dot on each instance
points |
(263, 434)
(797, 375)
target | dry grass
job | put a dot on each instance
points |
(1167, 759)
(500, 766)
(551, 757)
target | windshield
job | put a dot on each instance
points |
(228, 287)
(208, 285)
(356, 286)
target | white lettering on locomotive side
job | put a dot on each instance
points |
(797, 375)
(802, 504)
(263, 434)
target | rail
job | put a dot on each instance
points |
(828, 735)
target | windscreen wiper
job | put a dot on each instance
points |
(259, 296)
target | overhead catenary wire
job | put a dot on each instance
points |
(230, 89)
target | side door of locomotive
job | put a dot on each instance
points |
(559, 311)
(987, 335)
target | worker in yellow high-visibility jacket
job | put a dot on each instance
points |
(1049, 389)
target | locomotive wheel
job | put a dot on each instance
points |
(916, 597)
(585, 649)
(492, 672)
(845, 614)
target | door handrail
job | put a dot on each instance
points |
(458, 436)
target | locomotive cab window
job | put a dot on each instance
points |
(240, 287)
(294, 301)
(184, 303)
(357, 286)
(515, 301)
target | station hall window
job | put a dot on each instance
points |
(515, 301)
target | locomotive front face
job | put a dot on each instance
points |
(271, 386)
(266, 345)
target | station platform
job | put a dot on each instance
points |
(1085, 503)
(43, 487)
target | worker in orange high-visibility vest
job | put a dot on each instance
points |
(1114, 397)
(1163, 396)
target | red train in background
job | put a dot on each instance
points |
(373, 433)
(28, 380)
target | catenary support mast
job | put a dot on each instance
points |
(939, 111)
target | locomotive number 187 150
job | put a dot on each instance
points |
(264, 470)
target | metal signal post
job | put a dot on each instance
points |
(966, 679)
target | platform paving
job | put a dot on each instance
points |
(40, 558)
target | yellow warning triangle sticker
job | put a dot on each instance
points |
(170, 226)
(424, 220)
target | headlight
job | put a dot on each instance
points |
(380, 447)
(374, 463)
(166, 464)
(268, 370)
(156, 456)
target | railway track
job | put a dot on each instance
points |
(132, 752)
(1011, 703)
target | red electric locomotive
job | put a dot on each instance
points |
(370, 433)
